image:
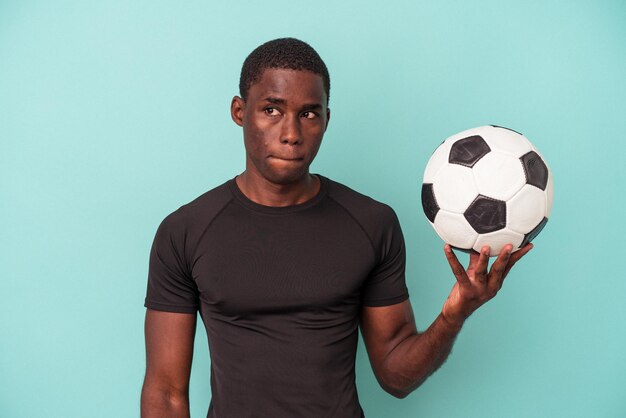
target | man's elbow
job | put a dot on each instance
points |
(159, 400)
(397, 393)
(398, 387)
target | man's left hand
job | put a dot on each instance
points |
(476, 285)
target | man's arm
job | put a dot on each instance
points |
(401, 357)
(169, 351)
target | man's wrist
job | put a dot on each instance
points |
(453, 325)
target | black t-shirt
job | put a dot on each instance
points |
(280, 291)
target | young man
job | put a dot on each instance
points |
(284, 265)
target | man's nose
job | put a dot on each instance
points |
(290, 133)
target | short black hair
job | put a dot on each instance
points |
(288, 53)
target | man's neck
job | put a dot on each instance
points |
(266, 193)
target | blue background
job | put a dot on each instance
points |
(113, 114)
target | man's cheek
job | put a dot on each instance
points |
(262, 136)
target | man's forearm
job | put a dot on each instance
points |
(418, 356)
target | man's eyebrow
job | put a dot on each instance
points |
(275, 100)
(308, 106)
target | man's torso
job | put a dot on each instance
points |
(280, 291)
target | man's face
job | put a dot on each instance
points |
(283, 120)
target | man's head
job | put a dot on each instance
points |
(283, 110)
(286, 53)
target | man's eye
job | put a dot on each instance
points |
(271, 111)
(309, 115)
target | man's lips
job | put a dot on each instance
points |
(284, 158)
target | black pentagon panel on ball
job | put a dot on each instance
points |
(533, 234)
(508, 129)
(465, 250)
(429, 203)
(535, 169)
(468, 151)
(486, 214)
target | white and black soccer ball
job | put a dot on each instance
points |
(487, 186)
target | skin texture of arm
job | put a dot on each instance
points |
(169, 352)
(402, 358)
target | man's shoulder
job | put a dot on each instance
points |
(202, 209)
(378, 220)
(356, 203)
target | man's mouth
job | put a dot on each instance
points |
(277, 157)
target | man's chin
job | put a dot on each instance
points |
(288, 179)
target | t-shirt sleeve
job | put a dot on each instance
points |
(170, 285)
(386, 284)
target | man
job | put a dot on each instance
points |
(284, 265)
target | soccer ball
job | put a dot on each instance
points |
(487, 186)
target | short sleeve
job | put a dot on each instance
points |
(170, 285)
(386, 284)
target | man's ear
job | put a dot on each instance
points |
(237, 106)
(327, 118)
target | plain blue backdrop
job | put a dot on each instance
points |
(113, 114)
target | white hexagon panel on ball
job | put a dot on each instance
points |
(499, 175)
(497, 240)
(454, 229)
(526, 209)
(454, 188)
(506, 140)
